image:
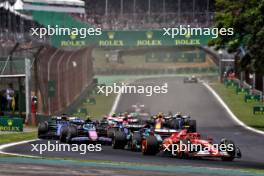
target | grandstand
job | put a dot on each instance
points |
(117, 15)
(16, 19)
(148, 14)
(25, 61)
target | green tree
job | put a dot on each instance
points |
(246, 17)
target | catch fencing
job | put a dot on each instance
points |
(61, 77)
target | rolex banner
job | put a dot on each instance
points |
(11, 124)
(114, 38)
(130, 38)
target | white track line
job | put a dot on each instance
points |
(4, 146)
(231, 114)
(117, 99)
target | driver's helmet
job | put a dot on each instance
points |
(178, 115)
(170, 113)
(88, 119)
(114, 115)
(147, 125)
(64, 117)
(160, 115)
(125, 119)
(188, 116)
(126, 114)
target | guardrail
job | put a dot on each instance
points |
(145, 71)
(62, 76)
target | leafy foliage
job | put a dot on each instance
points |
(247, 19)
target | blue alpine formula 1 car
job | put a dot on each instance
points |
(70, 129)
(82, 131)
(52, 127)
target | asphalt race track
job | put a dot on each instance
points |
(212, 120)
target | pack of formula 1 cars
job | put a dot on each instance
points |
(161, 133)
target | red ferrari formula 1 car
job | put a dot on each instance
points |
(189, 145)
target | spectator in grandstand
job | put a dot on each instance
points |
(143, 15)
(3, 100)
(232, 75)
(10, 95)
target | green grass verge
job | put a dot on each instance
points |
(103, 106)
(243, 110)
(138, 61)
(16, 137)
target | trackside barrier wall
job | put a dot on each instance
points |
(61, 77)
(145, 71)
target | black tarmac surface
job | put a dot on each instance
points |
(212, 120)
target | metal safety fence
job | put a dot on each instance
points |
(61, 77)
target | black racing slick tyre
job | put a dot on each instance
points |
(71, 133)
(43, 129)
(174, 124)
(150, 146)
(110, 132)
(119, 140)
(230, 149)
(193, 127)
(63, 134)
(183, 154)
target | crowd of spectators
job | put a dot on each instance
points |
(118, 15)
(147, 14)
(15, 29)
